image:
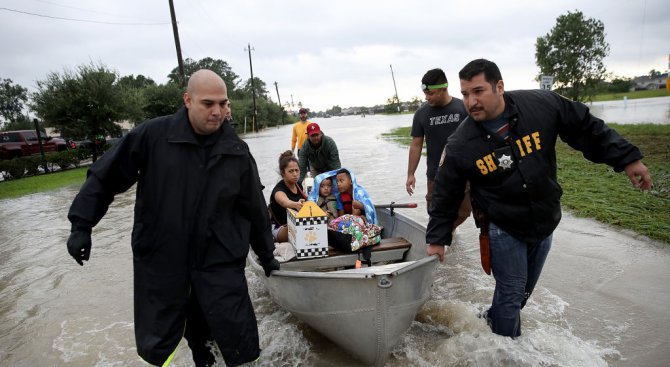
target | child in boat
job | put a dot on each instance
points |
(327, 201)
(346, 186)
(352, 219)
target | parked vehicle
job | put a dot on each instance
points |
(21, 143)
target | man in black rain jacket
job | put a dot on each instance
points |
(199, 204)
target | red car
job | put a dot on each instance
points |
(21, 143)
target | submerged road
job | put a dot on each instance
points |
(601, 301)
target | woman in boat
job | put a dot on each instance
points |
(286, 194)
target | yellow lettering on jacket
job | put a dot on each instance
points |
(482, 167)
(526, 143)
(536, 139)
(490, 163)
(529, 143)
(518, 143)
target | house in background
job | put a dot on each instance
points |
(648, 82)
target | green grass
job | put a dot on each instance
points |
(34, 184)
(631, 95)
(596, 191)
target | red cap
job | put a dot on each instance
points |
(303, 110)
(313, 129)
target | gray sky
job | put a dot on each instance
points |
(320, 53)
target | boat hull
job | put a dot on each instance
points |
(364, 311)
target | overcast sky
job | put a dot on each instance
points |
(320, 53)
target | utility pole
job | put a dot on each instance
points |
(396, 89)
(175, 31)
(279, 100)
(253, 89)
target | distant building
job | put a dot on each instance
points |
(647, 82)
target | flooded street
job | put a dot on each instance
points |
(602, 299)
(632, 111)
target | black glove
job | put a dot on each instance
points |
(270, 266)
(79, 244)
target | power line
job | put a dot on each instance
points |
(88, 10)
(79, 20)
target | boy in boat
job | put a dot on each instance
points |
(346, 186)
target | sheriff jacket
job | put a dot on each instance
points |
(515, 182)
(322, 159)
(195, 216)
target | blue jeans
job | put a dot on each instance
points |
(516, 267)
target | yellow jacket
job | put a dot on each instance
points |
(299, 134)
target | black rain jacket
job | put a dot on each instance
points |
(195, 216)
(521, 197)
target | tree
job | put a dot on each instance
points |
(335, 111)
(414, 103)
(12, 99)
(391, 105)
(21, 122)
(216, 65)
(620, 85)
(259, 87)
(83, 104)
(573, 52)
(653, 73)
(161, 100)
(138, 82)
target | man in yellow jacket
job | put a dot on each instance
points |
(300, 130)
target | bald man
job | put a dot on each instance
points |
(199, 206)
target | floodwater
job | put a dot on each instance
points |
(632, 111)
(601, 301)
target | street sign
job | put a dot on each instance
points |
(546, 81)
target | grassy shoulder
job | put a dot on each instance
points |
(596, 191)
(631, 95)
(40, 183)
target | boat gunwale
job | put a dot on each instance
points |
(411, 265)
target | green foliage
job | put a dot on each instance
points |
(573, 52)
(13, 168)
(134, 93)
(161, 100)
(392, 105)
(335, 111)
(40, 183)
(136, 82)
(631, 95)
(84, 103)
(29, 166)
(216, 65)
(12, 99)
(259, 87)
(619, 85)
(32, 165)
(653, 73)
(20, 123)
(64, 160)
(414, 103)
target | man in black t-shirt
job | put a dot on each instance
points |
(435, 120)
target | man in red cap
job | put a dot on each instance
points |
(300, 130)
(319, 151)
